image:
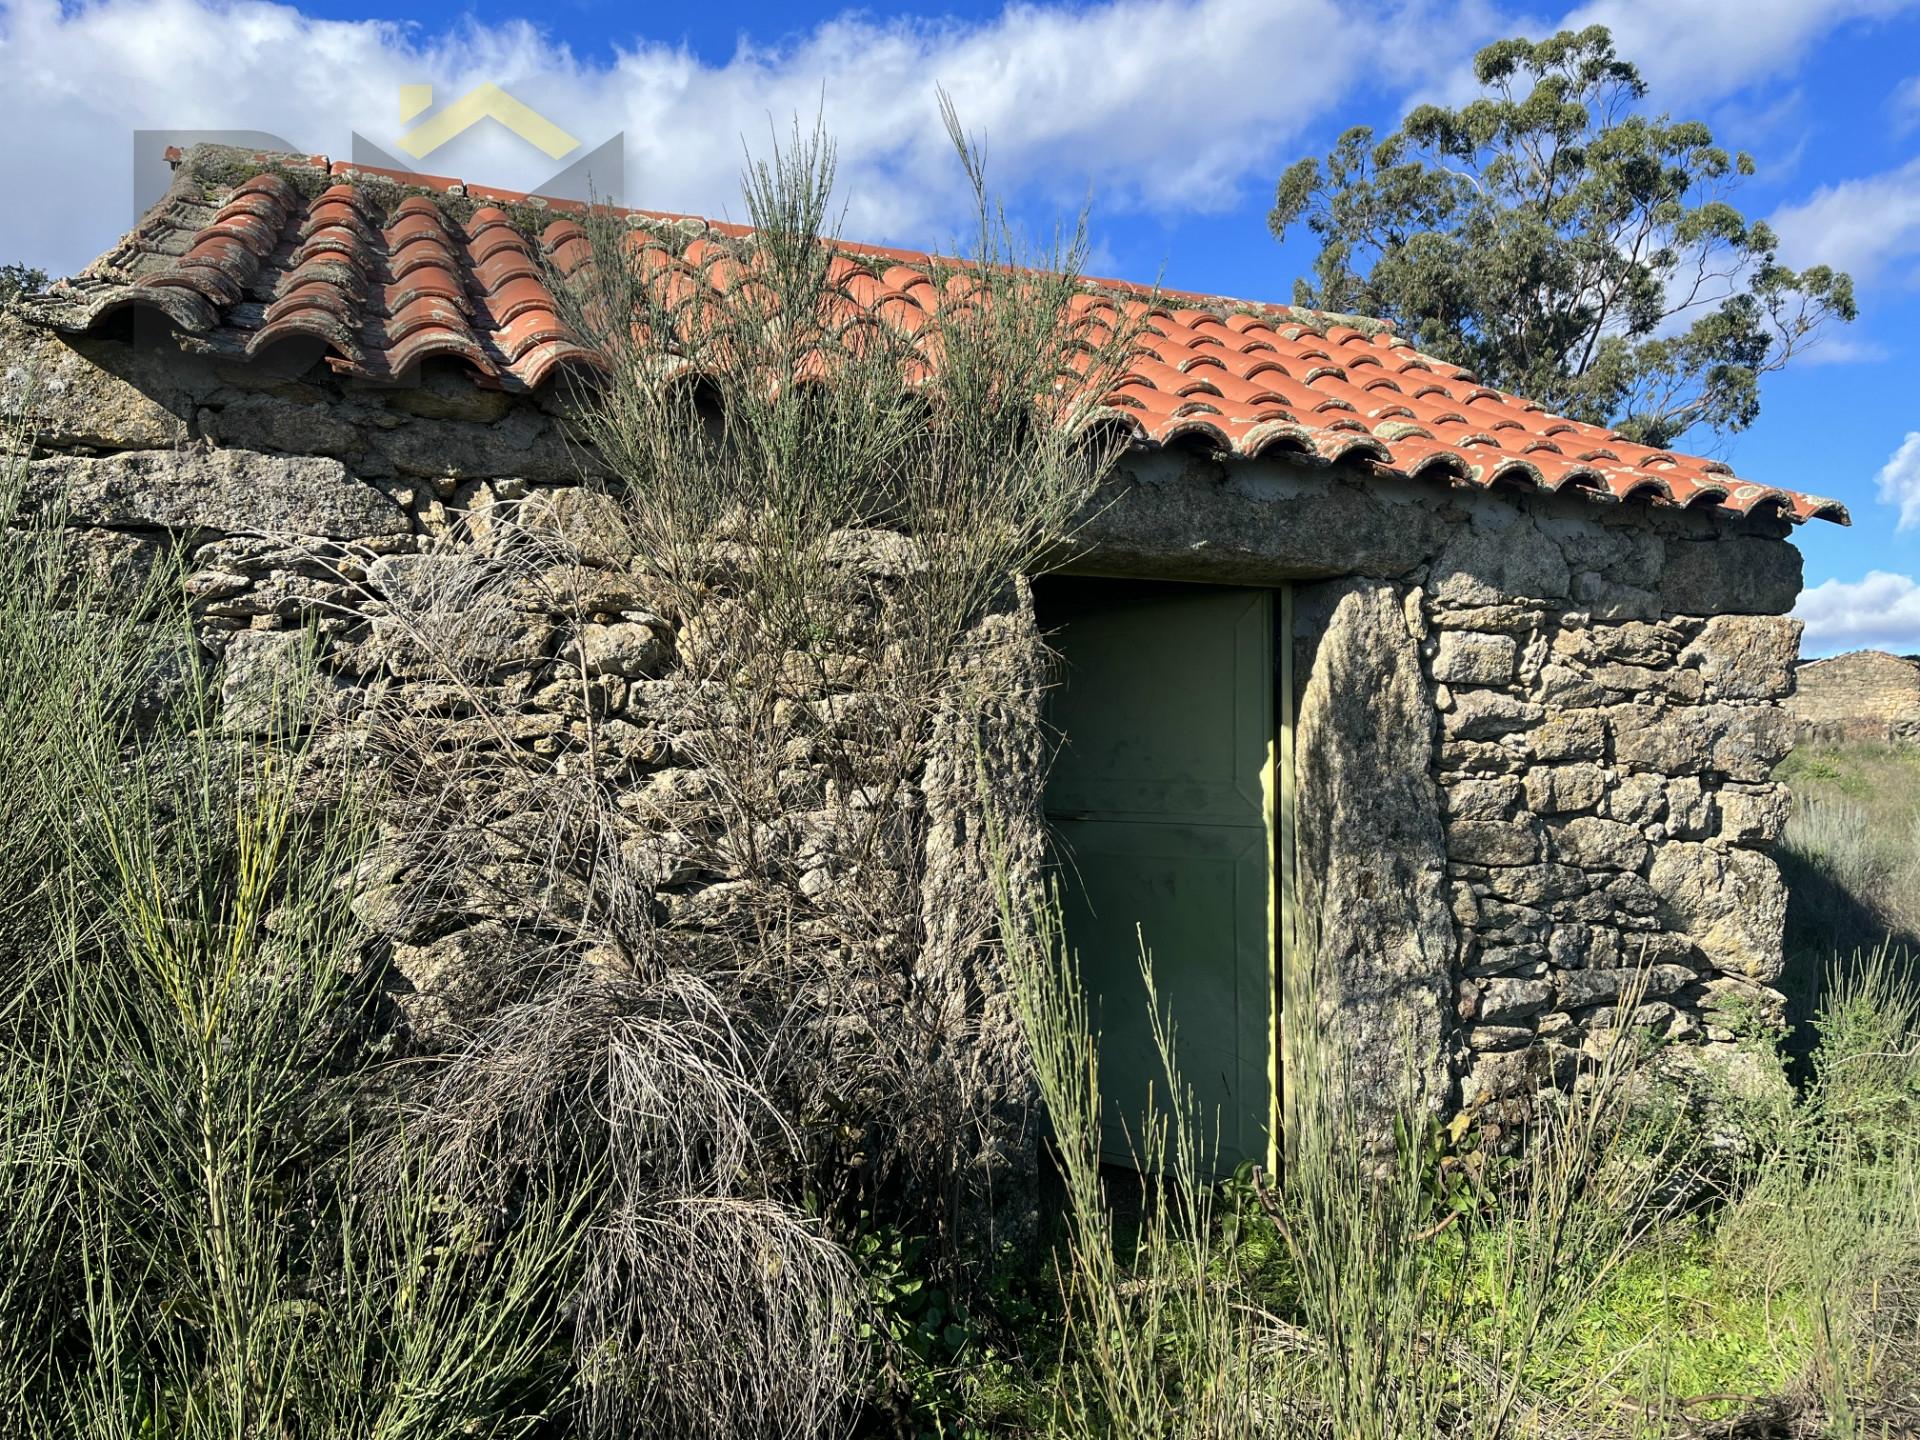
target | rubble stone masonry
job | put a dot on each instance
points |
(1867, 695)
(1559, 717)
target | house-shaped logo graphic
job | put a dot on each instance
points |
(598, 176)
(483, 102)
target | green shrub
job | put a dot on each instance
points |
(194, 1241)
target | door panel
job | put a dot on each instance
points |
(1160, 804)
(1165, 703)
(1197, 895)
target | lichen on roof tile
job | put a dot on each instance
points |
(248, 250)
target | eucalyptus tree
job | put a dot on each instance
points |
(1559, 241)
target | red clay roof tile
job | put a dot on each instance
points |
(383, 292)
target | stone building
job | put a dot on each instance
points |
(1480, 703)
(1865, 695)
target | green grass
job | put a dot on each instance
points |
(1887, 776)
(1677, 1323)
(1857, 815)
(1851, 858)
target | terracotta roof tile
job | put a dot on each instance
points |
(242, 268)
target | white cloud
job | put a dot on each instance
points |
(1703, 49)
(1861, 226)
(1165, 105)
(1881, 612)
(1906, 104)
(1836, 349)
(1899, 481)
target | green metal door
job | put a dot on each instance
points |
(1161, 803)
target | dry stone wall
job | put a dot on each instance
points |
(1868, 695)
(1555, 721)
(1605, 777)
(434, 552)
(1585, 801)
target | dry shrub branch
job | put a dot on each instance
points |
(682, 956)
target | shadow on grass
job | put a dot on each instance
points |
(1829, 926)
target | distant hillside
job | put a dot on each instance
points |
(1863, 695)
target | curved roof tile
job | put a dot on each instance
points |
(253, 263)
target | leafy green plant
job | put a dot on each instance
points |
(944, 1367)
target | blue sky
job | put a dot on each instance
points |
(1173, 117)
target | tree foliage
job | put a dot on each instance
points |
(1559, 242)
(19, 281)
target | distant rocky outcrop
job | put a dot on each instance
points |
(1863, 695)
